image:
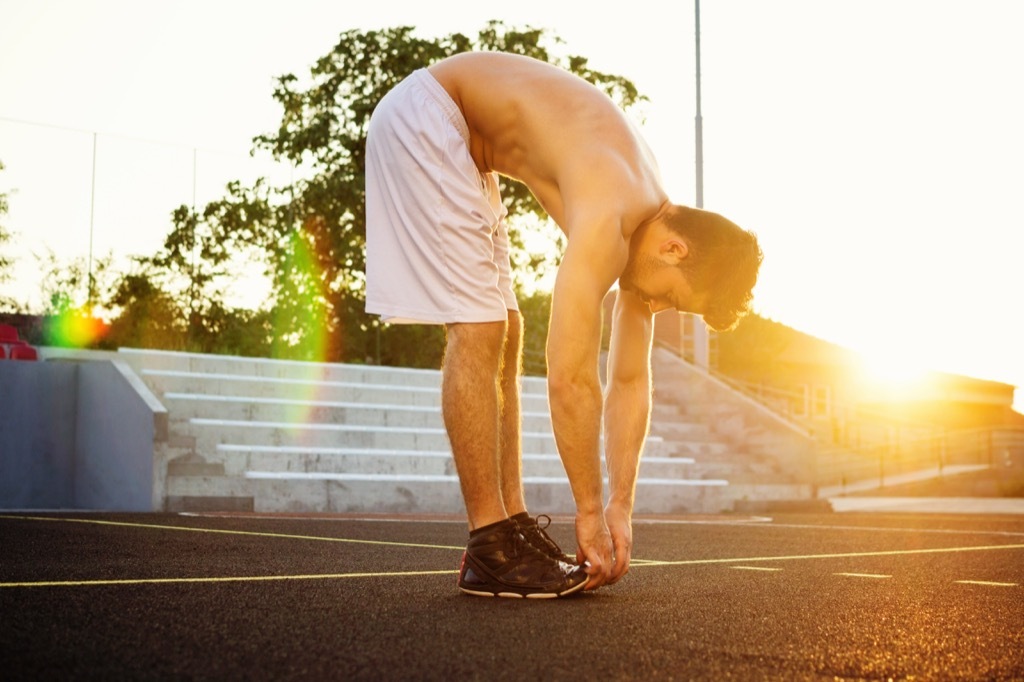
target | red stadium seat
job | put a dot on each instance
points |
(8, 334)
(23, 351)
(3, 352)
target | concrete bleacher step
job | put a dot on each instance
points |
(237, 459)
(271, 435)
(210, 433)
(186, 406)
(307, 391)
(701, 450)
(212, 365)
(274, 491)
(174, 381)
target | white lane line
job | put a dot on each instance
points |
(841, 555)
(863, 575)
(288, 536)
(986, 583)
(755, 568)
(656, 520)
(894, 529)
(222, 579)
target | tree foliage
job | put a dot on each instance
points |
(148, 317)
(754, 345)
(311, 233)
(65, 284)
(6, 262)
(5, 236)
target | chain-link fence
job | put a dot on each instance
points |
(84, 195)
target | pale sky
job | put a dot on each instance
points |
(875, 147)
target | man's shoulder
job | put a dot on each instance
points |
(613, 190)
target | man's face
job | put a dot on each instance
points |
(659, 281)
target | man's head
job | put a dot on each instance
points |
(695, 261)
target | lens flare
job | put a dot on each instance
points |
(300, 322)
(75, 328)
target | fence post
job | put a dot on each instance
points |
(940, 446)
(92, 220)
(881, 462)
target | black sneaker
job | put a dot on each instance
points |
(539, 538)
(499, 562)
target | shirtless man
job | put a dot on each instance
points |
(437, 253)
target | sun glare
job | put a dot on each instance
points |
(892, 375)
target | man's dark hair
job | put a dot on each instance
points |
(722, 264)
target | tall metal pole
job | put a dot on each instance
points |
(92, 219)
(699, 120)
(701, 336)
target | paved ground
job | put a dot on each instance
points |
(855, 596)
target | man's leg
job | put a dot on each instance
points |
(510, 453)
(510, 417)
(469, 402)
(499, 560)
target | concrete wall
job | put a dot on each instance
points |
(77, 435)
(118, 421)
(37, 435)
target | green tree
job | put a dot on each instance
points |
(65, 284)
(174, 298)
(6, 262)
(535, 307)
(313, 232)
(146, 315)
(752, 348)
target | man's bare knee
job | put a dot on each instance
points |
(477, 343)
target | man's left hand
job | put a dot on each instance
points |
(620, 525)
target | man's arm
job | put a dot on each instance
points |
(588, 268)
(627, 414)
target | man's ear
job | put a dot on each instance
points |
(674, 251)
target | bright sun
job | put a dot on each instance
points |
(892, 375)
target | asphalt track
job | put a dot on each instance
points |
(837, 596)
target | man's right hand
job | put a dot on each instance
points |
(594, 547)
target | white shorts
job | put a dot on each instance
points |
(436, 241)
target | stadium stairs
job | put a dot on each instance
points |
(259, 435)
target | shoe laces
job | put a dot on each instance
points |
(520, 544)
(535, 533)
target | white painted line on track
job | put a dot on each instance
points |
(325, 516)
(223, 579)
(657, 521)
(863, 575)
(895, 529)
(986, 583)
(839, 555)
(636, 562)
(249, 533)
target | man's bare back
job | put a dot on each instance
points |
(562, 137)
